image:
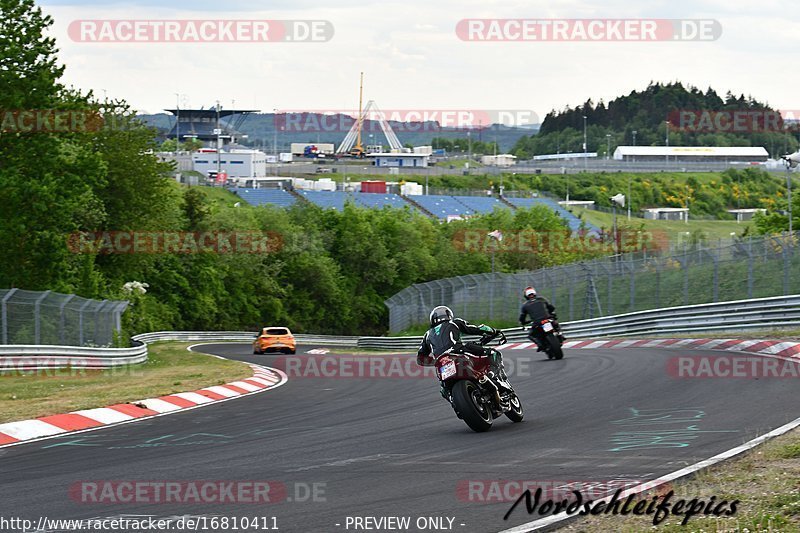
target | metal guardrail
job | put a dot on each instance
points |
(238, 336)
(780, 311)
(28, 357)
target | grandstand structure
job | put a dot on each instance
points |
(442, 207)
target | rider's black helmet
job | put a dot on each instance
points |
(440, 314)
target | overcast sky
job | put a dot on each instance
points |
(413, 59)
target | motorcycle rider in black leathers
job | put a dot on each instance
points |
(445, 336)
(538, 308)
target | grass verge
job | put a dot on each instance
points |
(764, 480)
(170, 368)
(710, 229)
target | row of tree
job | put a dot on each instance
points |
(642, 117)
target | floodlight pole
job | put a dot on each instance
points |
(789, 194)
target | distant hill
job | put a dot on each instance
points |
(317, 128)
(646, 112)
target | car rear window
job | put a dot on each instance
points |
(277, 331)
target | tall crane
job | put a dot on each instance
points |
(352, 144)
(358, 149)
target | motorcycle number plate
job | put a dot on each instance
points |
(448, 370)
(547, 326)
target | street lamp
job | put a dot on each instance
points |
(469, 149)
(584, 143)
(275, 140)
(634, 144)
(608, 146)
(177, 122)
(218, 133)
(496, 237)
(617, 199)
(666, 140)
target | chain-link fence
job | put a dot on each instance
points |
(693, 273)
(31, 317)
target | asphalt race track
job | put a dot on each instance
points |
(385, 447)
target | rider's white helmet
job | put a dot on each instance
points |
(529, 292)
(440, 314)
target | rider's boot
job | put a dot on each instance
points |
(497, 370)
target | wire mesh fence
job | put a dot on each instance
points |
(33, 317)
(693, 273)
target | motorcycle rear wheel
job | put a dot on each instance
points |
(465, 399)
(555, 347)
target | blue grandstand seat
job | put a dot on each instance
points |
(380, 200)
(480, 204)
(327, 199)
(266, 196)
(442, 206)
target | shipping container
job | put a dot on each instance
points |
(373, 186)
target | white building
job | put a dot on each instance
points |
(587, 204)
(565, 156)
(399, 160)
(745, 214)
(237, 163)
(724, 154)
(411, 188)
(667, 213)
(499, 160)
(182, 160)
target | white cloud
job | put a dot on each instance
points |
(412, 57)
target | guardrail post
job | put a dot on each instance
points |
(715, 259)
(80, 321)
(4, 304)
(750, 265)
(685, 267)
(571, 280)
(658, 282)
(97, 320)
(785, 253)
(37, 318)
(61, 325)
(632, 272)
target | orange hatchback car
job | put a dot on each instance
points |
(274, 340)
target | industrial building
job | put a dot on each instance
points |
(743, 215)
(235, 163)
(399, 160)
(499, 160)
(722, 154)
(667, 213)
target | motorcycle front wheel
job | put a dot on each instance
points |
(515, 414)
(467, 401)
